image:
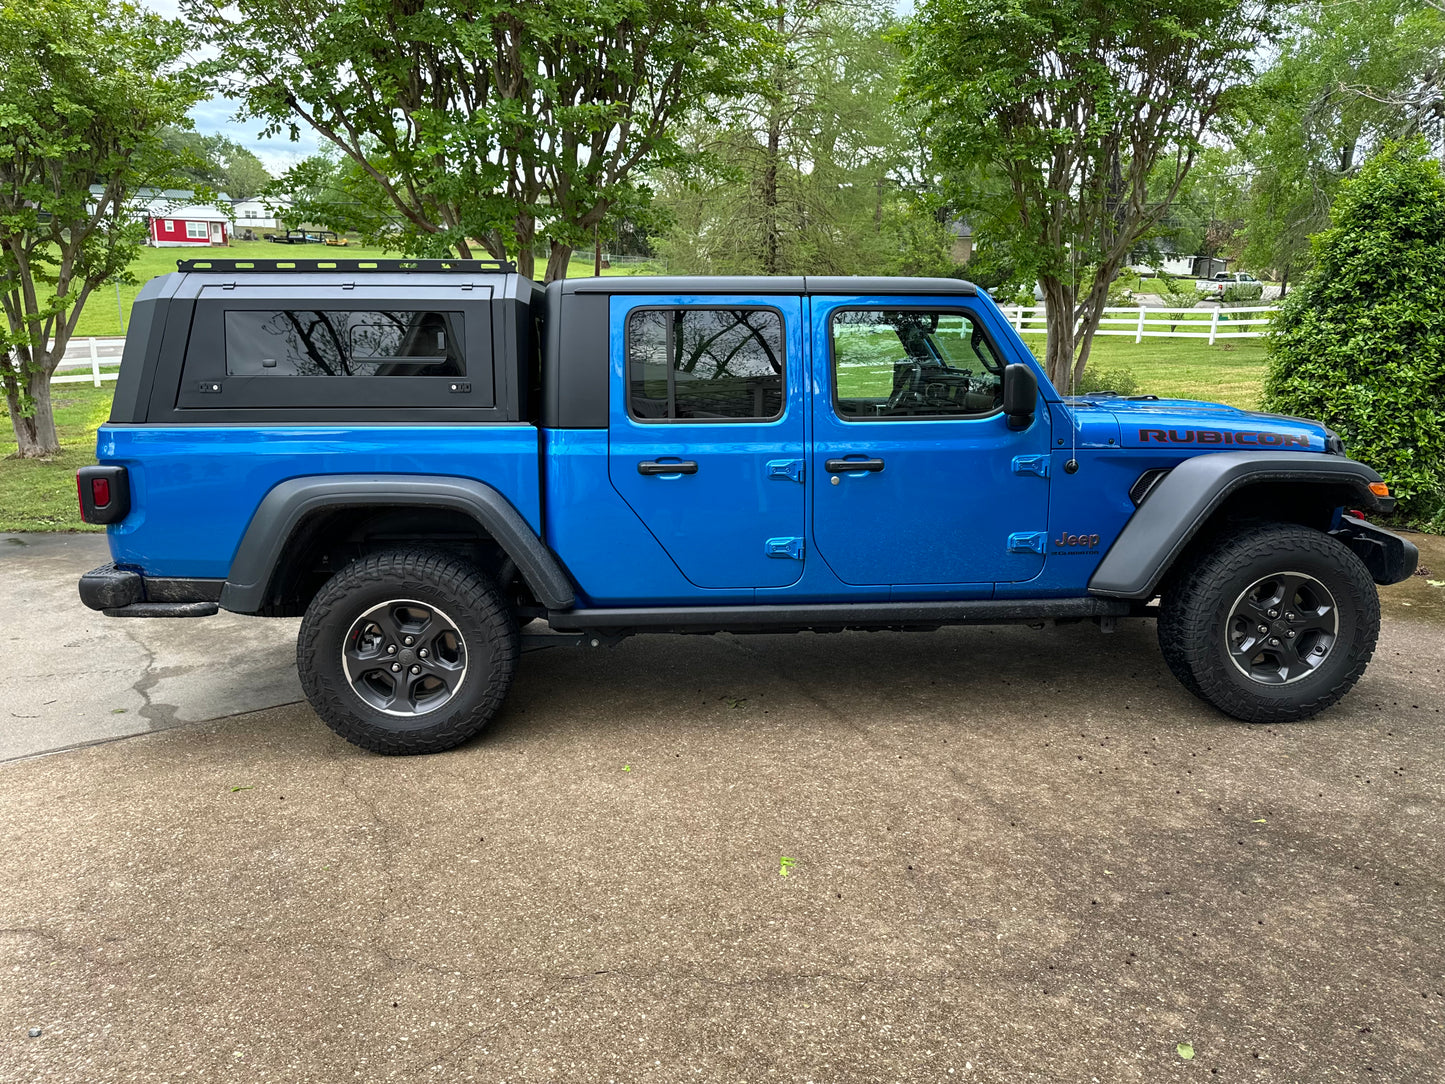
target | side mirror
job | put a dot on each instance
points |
(1020, 395)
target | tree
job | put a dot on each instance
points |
(482, 121)
(1361, 343)
(818, 170)
(336, 193)
(1078, 104)
(1345, 78)
(215, 162)
(85, 86)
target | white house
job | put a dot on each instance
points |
(256, 215)
(1160, 257)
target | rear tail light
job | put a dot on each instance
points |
(104, 493)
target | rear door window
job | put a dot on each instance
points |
(704, 364)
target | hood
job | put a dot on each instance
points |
(1177, 423)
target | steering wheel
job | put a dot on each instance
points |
(905, 388)
(909, 390)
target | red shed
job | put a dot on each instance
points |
(189, 225)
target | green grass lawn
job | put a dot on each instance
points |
(39, 494)
(104, 311)
(1229, 372)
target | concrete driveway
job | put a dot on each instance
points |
(1015, 856)
(84, 677)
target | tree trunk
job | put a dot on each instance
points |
(770, 199)
(525, 231)
(558, 258)
(1059, 320)
(36, 434)
(1284, 283)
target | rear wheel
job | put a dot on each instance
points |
(407, 651)
(1271, 625)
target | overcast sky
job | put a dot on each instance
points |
(217, 115)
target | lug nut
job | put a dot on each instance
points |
(1272, 613)
(409, 640)
(396, 668)
(1290, 634)
(1274, 641)
(391, 649)
(1289, 617)
(1264, 628)
(416, 669)
(422, 652)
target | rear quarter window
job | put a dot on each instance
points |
(252, 355)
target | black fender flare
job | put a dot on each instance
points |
(290, 502)
(1183, 500)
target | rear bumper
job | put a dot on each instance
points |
(123, 592)
(1389, 557)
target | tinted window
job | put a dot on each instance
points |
(913, 364)
(307, 342)
(691, 364)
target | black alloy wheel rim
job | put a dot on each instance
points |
(404, 658)
(1282, 628)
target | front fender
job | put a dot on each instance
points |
(1182, 502)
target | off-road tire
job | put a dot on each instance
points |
(471, 603)
(1201, 598)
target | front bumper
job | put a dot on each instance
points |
(1389, 557)
(123, 592)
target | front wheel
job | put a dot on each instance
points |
(407, 651)
(1273, 624)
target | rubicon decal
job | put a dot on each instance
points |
(1214, 436)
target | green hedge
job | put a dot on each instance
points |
(1361, 343)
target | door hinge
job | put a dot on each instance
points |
(791, 469)
(1027, 542)
(786, 548)
(1032, 464)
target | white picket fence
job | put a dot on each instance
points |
(101, 355)
(1145, 322)
(90, 354)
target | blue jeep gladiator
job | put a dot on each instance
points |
(435, 462)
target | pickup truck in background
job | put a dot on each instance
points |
(1219, 283)
(434, 463)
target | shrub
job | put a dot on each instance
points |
(1178, 293)
(1096, 380)
(1360, 344)
(1243, 291)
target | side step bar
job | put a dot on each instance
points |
(834, 616)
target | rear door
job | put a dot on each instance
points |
(706, 434)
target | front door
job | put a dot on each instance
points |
(918, 477)
(706, 433)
